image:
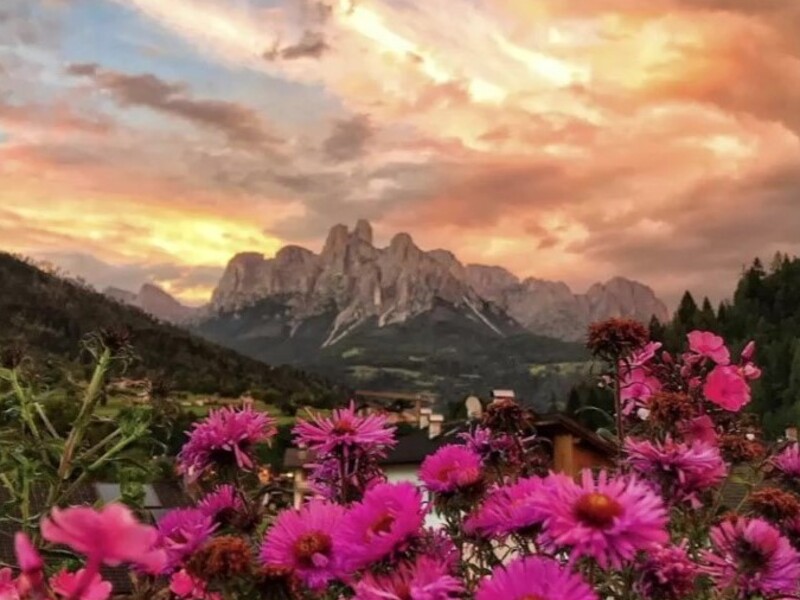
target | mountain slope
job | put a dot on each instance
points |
(551, 308)
(51, 316)
(155, 301)
(444, 350)
(400, 317)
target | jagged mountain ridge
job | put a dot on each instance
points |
(359, 283)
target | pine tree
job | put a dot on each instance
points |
(687, 314)
(707, 319)
(657, 329)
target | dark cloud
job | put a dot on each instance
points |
(240, 124)
(311, 45)
(714, 230)
(348, 138)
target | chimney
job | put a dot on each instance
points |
(791, 434)
(435, 426)
(474, 408)
(424, 417)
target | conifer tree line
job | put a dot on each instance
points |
(765, 307)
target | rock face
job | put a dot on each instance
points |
(359, 282)
(155, 301)
(351, 277)
(550, 308)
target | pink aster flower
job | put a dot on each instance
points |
(67, 585)
(699, 429)
(8, 587)
(111, 535)
(682, 471)
(225, 438)
(508, 509)
(389, 516)
(31, 579)
(303, 542)
(534, 577)
(609, 520)
(184, 585)
(710, 345)
(788, 461)
(667, 573)
(221, 504)
(726, 388)
(450, 469)
(424, 579)
(751, 556)
(637, 382)
(345, 429)
(182, 531)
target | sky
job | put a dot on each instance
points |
(575, 140)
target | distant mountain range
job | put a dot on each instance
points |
(360, 282)
(400, 316)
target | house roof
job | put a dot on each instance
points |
(410, 449)
(413, 448)
(552, 424)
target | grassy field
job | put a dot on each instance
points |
(191, 404)
(563, 368)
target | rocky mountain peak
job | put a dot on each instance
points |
(402, 247)
(393, 284)
(363, 231)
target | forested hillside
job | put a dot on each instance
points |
(49, 316)
(765, 307)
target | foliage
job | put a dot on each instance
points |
(766, 308)
(488, 521)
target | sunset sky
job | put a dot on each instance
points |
(150, 140)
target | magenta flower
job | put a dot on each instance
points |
(221, 504)
(305, 541)
(726, 388)
(111, 536)
(637, 383)
(787, 461)
(495, 448)
(508, 509)
(28, 558)
(225, 438)
(450, 469)
(752, 556)
(425, 579)
(682, 471)
(609, 520)
(534, 577)
(31, 579)
(345, 429)
(709, 345)
(184, 585)
(667, 573)
(181, 532)
(389, 516)
(637, 386)
(699, 429)
(8, 587)
(67, 585)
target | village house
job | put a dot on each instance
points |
(572, 446)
